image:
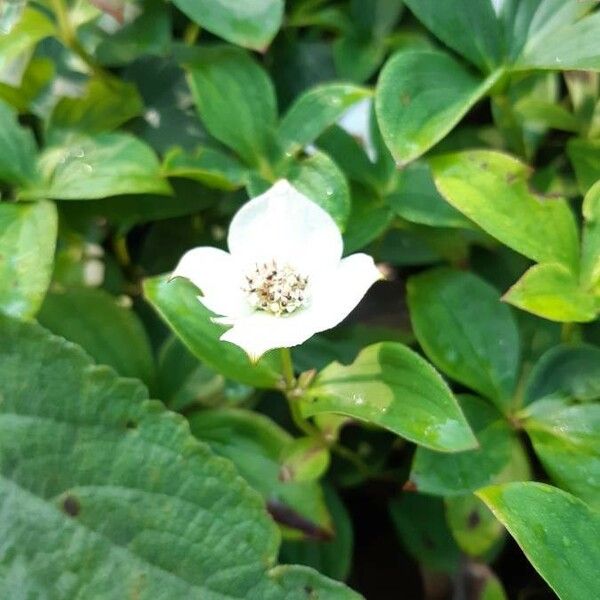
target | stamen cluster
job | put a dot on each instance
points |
(275, 289)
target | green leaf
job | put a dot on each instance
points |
(171, 119)
(568, 46)
(525, 109)
(492, 588)
(129, 210)
(544, 113)
(412, 113)
(468, 26)
(110, 334)
(106, 104)
(553, 292)
(321, 180)
(304, 459)
(369, 219)
(235, 100)
(569, 372)
(565, 438)
(92, 476)
(17, 150)
(176, 302)
(331, 557)
(590, 247)
(18, 41)
(358, 56)
(528, 22)
(421, 525)
(585, 158)
(473, 525)
(552, 527)
(416, 199)
(350, 156)
(36, 79)
(582, 92)
(377, 17)
(107, 164)
(466, 331)
(391, 386)
(456, 474)
(541, 229)
(365, 41)
(250, 24)
(148, 34)
(256, 444)
(316, 110)
(184, 382)
(206, 165)
(27, 242)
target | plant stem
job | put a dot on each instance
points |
(191, 33)
(352, 457)
(570, 333)
(68, 37)
(293, 397)
(287, 367)
(301, 423)
(121, 251)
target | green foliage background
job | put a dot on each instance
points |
(459, 403)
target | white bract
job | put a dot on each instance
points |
(284, 278)
(357, 122)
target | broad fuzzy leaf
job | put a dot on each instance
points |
(256, 445)
(111, 334)
(99, 480)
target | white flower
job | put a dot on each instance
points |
(284, 278)
(357, 122)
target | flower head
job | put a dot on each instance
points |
(284, 278)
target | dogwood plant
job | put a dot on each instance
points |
(284, 278)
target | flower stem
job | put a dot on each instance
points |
(301, 423)
(287, 367)
(293, 395)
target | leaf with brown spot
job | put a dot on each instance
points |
(164, 517)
